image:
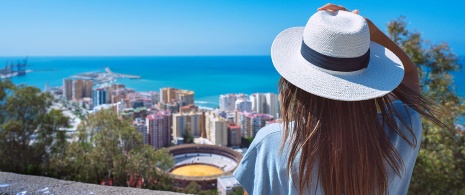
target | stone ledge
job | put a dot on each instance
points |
(11, 183)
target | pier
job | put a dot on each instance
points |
(107, 69)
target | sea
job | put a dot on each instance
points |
(207, 76)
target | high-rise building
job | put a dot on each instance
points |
(120, 106)
(243, 105)
(99, 96)
(185, 97)
(234, 135)
(258, 102)
(271, 104)
(250, 123)
(193, 122)
(142, 128)
(264, 103)
(169, 95)
(68, 89)
(78, 89)
(88, 88)
(228, 101)
(216, 129)
(108, 94)
(159, 128)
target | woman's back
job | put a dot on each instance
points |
(342, 131)
(263, 169)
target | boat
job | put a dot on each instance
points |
(11, 71)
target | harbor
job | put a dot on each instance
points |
(103, 77)
(119, 75)
(14, 69)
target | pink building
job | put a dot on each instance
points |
(159, 128)
(250, 123)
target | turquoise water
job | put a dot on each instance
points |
(207, 76)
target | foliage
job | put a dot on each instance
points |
(188, 138)
(110, 149)
(210, 192)
(245, 142)
(105, 147)
(237, 191)
(192, 188)
(440, 166)
(29, 130)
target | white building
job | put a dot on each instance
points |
(271, 104)
(228, 101)
(265, 103)
(243, 105)
(120, 106)
(227, 185)
(216, 129)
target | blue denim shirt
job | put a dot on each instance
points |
(263, 170)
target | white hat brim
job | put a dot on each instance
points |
(383, 74)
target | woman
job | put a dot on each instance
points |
(351, 105)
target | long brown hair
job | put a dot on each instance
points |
(346, 139)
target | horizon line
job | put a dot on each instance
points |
(24, 56)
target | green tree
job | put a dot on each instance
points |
(440, 166)
(188, 138)
(193, 188)
(237, 191)
(245, 142)
(110, 149)
(29, 130)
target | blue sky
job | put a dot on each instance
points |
(194, 27)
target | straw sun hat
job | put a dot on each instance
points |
(333, 57)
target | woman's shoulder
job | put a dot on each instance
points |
(268, 130)
(266, 135)
(253, 170)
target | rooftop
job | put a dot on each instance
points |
(228, 181)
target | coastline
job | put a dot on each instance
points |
(208, 76)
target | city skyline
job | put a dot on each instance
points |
(183, 27)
